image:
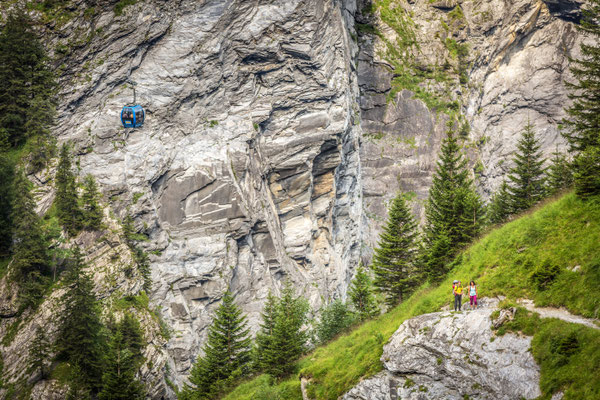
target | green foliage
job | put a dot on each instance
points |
(124, 359)
(544, 275)
(335, 319)
(500, 207)
(395, 258)
(527, 176)
(583, 122)
(140, 257)
(454, 211)
(67, 199)
(566, 231)
(7, 172)
(120, 6)
(560, 175)
(39, 353)
(26, 81)
(31, 263)
(281, 339)
(80, 340)
(92, 212)
(226, 353)
(361, 295)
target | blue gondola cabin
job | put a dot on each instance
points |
(132, 116)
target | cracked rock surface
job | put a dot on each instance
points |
(447, 355)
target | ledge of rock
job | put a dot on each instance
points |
(447, 355)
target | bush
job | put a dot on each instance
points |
(544, 275)
(335, 318)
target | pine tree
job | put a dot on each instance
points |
(454, 211)
(395, 258)
(7, 173)
(92, 212)
(361, 294)
(226, 352)
(560, 175)
(80, 339)
(583, 122)
(500, 207)
(31, 263)
(39, 352)
(264, 337)
(27, 84)
(124, 358)
(67, 199)
(527, 175)
(288, 341)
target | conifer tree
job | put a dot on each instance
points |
(361, 295)
(226, 352)
(527, 176)
(395, 258)
(560, 175)
(80, 339)
(264, 337)
(67, 199)
(500, 205)
(39, 352)
(27, 83)
(288, 341)
(6, 202)
(92, 212)
(124, 358)
(583, 122)
(31, 263)
(454, 211)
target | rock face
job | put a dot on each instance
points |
(498, 63)
(451, 356)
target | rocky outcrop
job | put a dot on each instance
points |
(447, 355)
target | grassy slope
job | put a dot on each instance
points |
(565, 232)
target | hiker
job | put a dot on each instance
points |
(457, 290)
(473, 294)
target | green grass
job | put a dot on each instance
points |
(568, 354)
(566, 231)
(120, 6)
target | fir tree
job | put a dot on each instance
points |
(80, 340)
(26, 81)
(92, 212)
(454, 211)
(124, 358)
(39, 352)
(500, 205)
(31, 263)
(361, 294)
(560, 175)
(67, 204)
(395, 258)
(226, 352)
(583, 122)
(264, 337)
(527, 175)
(7, 173)
(288, 341)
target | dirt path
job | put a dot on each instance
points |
(560, 313)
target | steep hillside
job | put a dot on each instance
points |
(564, 233)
